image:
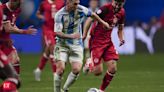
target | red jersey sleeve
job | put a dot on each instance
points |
(102, 11)
(1, 14)
(121, 16)
(41, 7)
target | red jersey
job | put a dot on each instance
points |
(49, 8)
(1, 15)
(8, 15)
(107, 13)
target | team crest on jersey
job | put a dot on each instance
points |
(95, 60)
(99, 11)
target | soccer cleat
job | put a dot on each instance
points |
(66, 90)
(61, 90)
(88, 67)
(37, 74)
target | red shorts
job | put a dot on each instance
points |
(3, 59)
(10, 52)
(102, 50)
(49, 37)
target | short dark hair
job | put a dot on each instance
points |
(119, 0)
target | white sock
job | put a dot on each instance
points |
(70, 80)
(57, 83)
(38, 69)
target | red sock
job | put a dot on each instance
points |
(1, 88)
(42, 62)
(106, 81)
(53, 65)
(9, 87)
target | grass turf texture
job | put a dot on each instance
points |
(136, 73)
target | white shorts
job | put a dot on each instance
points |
(71, 53)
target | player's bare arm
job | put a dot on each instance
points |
(68, 36)
(86, 27)
(14, 29)
(95, 16)
(120, 34)
(40, 15)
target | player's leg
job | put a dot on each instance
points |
(41, 65)
(58, 75)
(73, 75)
(14, 58)
(111, 70)
(51, 50)
(61, 58)
(110, 58)
(43, 60)
(75, 59)
(94, 64)
(12, 79)
(9, 75)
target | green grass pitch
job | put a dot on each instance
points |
(136, 73)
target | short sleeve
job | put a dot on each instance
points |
(58, 23)
(1, 14)
(121, 16)
(86, 11)
(41, 7)
(102, 11)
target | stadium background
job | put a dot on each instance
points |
(136, 10)
(139, 72)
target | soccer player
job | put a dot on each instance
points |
(101, 46)
(69, 45)
(10, 78)
(1, 16)
(11, 10)
(93, 6)
(46, 13)
(7, 73)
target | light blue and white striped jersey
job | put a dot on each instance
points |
(69, 23)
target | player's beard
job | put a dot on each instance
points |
(116, 10)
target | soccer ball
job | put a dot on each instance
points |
(93, 90)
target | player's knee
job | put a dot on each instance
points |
(60, 67)
(112, 69)
(98, 71)
(60, 70)
(76, 70)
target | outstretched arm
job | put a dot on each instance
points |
(39, 15)
(96, 17)
(120, 34)
(59, 29)
(40, 11)
(86, 27)
(14, 29)
(68, 36)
